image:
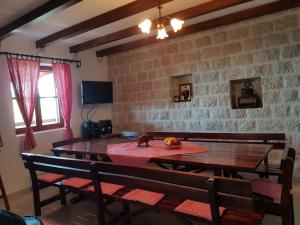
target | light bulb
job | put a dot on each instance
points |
(176, 24)
(145, 26)
(162, 33)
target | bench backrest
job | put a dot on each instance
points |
(234, 193)
(276, 139)
(59, 165)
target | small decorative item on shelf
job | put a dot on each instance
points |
(172, 143)
(144, 139)
(176, 98)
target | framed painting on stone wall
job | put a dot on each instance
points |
(185, 91)
(181, 88)
(246, 93)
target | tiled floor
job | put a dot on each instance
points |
(83, 213)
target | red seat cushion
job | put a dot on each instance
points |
(267, 188)
(147, 197)
(107, 188)
(76, 182)
(50, 177)
(198, 209)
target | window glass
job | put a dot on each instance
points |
(46, 85)
(47, 108)
(19, 122)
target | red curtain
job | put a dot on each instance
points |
(24, 76)
(62, 74)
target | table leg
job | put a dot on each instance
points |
(217, 172)
(226, 173)
(78, 156)
(79, 197)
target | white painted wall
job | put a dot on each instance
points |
(12, 170)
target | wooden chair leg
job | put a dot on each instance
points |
(266, 162)
(292, 210)
(126, 209)
(217, 172)
(62, 192)
(100, 212)
(286, 218)
(36, 200)
(3, 193)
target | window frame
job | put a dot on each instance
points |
(38, 113)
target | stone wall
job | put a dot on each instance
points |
(266, 47)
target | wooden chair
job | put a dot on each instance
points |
(266, 169)
(50, 165)
(210, 193)
(3, 194)
(278, 194)
(76, 172)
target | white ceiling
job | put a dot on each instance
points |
(12, 9)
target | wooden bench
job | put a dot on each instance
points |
(275, 139)
(264, 170)
(234, 194)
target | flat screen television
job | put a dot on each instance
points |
(96, 92)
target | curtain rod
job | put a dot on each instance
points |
(78, 62)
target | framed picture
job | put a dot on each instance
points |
(246, 93)
(185, 91)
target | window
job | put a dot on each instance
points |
(46, 115)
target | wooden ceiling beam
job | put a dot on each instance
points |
(100, 20)
(220, 21)
(41, 12)
(192, 12)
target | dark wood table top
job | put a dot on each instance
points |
(231, 156)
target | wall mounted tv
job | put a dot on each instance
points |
(96, 92)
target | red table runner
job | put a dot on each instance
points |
(130, 154)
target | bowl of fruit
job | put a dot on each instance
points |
(172, 143)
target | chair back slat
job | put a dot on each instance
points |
(68, 171)
(156, 186)
(59, 165)
(57, 161)
(182, 184)
(237, 202)
(287, 178)
(170, 176)
(227, 185)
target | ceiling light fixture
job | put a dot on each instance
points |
(176, 24)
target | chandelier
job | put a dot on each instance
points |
(176, 24)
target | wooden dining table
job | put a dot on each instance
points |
(233, 157)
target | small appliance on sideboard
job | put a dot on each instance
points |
(92, 129)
